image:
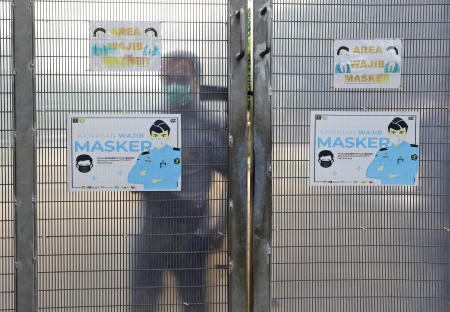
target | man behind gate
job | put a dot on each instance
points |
(175, 232)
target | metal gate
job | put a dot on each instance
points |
(341, 248)
(84, 251)
(349, 248)
(7, 162)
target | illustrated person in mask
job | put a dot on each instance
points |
(175, 231)
(84, 163)
(326, 158)
(342, 65)
(159, 168)
(392, 66)
(398, 163)
(100, 48)
(151, 49)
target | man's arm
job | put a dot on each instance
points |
(138, 173)
(377, 169)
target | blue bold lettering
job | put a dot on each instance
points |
(109, 146)
(78, 147)
(372, 142)
(97, 146)
(338, 142)
(145, 145)
(134, 146)
(349, 142)
(360, 142)
(384, 142)
(121, 146)
(326, 143)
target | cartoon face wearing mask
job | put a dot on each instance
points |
(343, 60)
(397, 131)
(159, 134)
(393, 59)
(326, 159)
(84, 163)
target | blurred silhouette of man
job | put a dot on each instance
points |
(175, 231)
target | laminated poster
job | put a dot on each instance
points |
(367, 64)
(364, 148)
(126, 46)
(124, 152)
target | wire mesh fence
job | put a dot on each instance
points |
(96, 251)
(359, 248)
(6, 161)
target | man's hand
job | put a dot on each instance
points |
(380, 168)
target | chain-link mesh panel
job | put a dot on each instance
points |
(101, 251)
(6, 161)
(359, 248)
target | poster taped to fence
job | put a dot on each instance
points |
(364, 148)
(129, 46)
(124, 152)
(367, 64)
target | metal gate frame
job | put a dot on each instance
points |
(262, 151)
(25, 175)
(261, 296)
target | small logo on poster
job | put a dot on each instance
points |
(326, 158)
(84, 163)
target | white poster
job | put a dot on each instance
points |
(364, 148)
(128, 46)
(124, 152)
(367, 64)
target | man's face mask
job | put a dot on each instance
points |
(159, 140)
(177, 95)
(325, 161)
(397, 136)
(84, 166)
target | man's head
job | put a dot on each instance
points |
(392, 51)
(84, 163)
(343, 51)
(159, 134)
(151, 33)
(397, 131)
(326, 158)
(181, 78)
(100, 32)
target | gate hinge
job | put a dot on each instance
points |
(269, 252)
(269, 169)
(230, 141)
(230, 204)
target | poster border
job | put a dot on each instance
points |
(312, 153)
(69, 156)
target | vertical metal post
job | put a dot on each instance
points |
(237, 36)
(262, 140)
(24, 155)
